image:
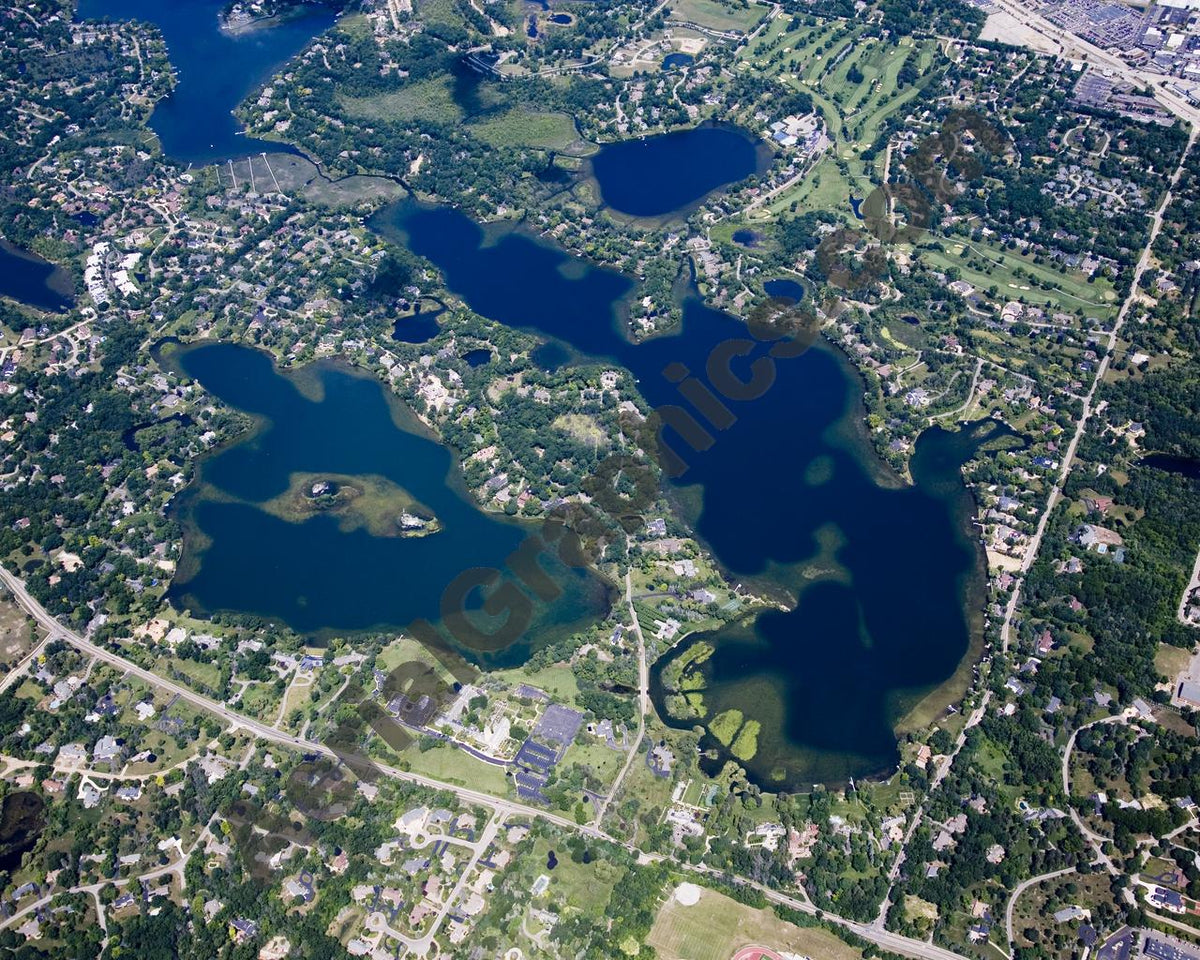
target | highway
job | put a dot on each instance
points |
(905, 946)
(1073, 47)
(262, 730)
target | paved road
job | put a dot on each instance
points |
(1021, 888)
(1076, 48)
(643, 702)
(906, 946)
(258, 728)
(1068, 459)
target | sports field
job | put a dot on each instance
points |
(717, 927)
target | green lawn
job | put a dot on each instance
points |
(985, 266)
(529, 129)
(718, 16)
(458, 767)
(585, 886)
(558, 681)
(424, 100)
(717, 926)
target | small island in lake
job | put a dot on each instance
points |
(370, 503)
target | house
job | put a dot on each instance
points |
(108, 750)
(72, 754)
(1097, 538)
(89, 794)
(415, 865)
(298, 890)
(242, 930)
(1069, 914)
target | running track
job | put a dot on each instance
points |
(755, 953)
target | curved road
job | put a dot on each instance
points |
(905, 946)
(1021, 888)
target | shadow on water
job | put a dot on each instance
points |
(28, 279)
(314, 572)
(885, 578)
(22, 819)
(1183, 466)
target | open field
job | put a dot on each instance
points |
(717, 16)
(716, 927)
(16, 633)
(557, 681)
(1171, 661)
(430, 100)
(854, 79)
(984, 266)
(457, 767)
(584, 886)
(526, 128)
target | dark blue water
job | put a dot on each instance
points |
(673, 61)
(747, 238)
(420, 327)
(561, 18)
(855, 204)
(28, 279)
(215, 71)
(790, 495)
(477, 358)
(550, 356)
(666, 174)
(1183, 466)
(784, 289)
(313, 575)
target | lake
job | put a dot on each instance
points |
(1183, 466)
(215, 70)
(22, 820)
(672, 172)
(884, 580)
(784, 289)
(313, 573)
(28, 279)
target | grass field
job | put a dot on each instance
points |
(559, 682)
(425, 100)
(584, 886)
(16, 633)
(717, 926)
(458, 767)
(1171, 661)
(718, 16)
(521, 128)
(819, 61)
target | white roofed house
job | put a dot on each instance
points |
(108, 750)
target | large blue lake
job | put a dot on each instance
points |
(886, 577)
(29, 279)
(667, 174)
(215, 70)
(315, 575)
(884, 580)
